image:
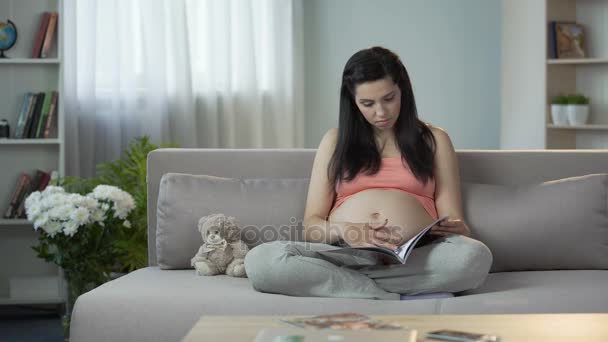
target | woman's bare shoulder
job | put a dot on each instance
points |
(437, 131)
(332, 133)
(329, 140)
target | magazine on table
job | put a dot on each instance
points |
(342, 321)
(384, 255)
(289, 334)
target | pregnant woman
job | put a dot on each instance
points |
(377, 180)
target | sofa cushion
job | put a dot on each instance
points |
(169, 302)
(266, 209)
(559, 224)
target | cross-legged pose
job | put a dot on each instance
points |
(377, 179)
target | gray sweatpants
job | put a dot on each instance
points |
(448, 264)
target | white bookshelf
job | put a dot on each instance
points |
(578, 61)
(15, 222)
(531, 79)
(30, 60)
(580, 127)
(20, 74)
(31, 301)
(30, 141)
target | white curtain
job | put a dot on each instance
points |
(199, 73)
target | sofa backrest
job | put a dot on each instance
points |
(499, 167)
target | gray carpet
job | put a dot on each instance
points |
(30, 324)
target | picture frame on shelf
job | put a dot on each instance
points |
(570, 40)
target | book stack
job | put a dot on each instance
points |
(25, 186)
(38, 112)
(45, 35)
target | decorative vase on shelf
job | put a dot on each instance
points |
(578, 114)
(559, 114)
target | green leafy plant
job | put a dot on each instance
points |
(560, 100)
(578, 99)
(76, 185)
(129, 174)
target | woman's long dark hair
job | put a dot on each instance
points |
(356, 148)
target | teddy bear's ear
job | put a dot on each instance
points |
(202, 221)
(231, 221)
(210, 220)
(231, 229)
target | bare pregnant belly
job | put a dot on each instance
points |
(375, 205)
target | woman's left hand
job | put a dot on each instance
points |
(451, 226)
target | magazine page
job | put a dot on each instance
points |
(361, 256)
(379, 255)
(404, 250)
(342, 321)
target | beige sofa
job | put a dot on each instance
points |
(549, 239)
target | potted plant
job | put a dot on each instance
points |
(578, 109)
(559, 110)
(79, 233)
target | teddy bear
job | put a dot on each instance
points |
(223, 251)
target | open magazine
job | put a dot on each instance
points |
(342, 321)
(384, 255)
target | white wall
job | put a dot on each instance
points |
(451, 50)
(523, 75)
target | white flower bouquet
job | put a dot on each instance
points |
(80, 233)
(56, 211)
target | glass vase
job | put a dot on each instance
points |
(75, 287)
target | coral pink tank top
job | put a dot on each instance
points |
(393, 174)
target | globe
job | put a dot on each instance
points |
(8, 36)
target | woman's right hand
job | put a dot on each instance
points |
(362, 235)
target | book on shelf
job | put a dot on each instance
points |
(381, 255)
(52, 115)
(44, 114)
(39, 182)
(44, 23)
(552, 44)
(25, 109)
(31, 132)
(30, 116)
(26, 184)
(49, 35)
(22, 183)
